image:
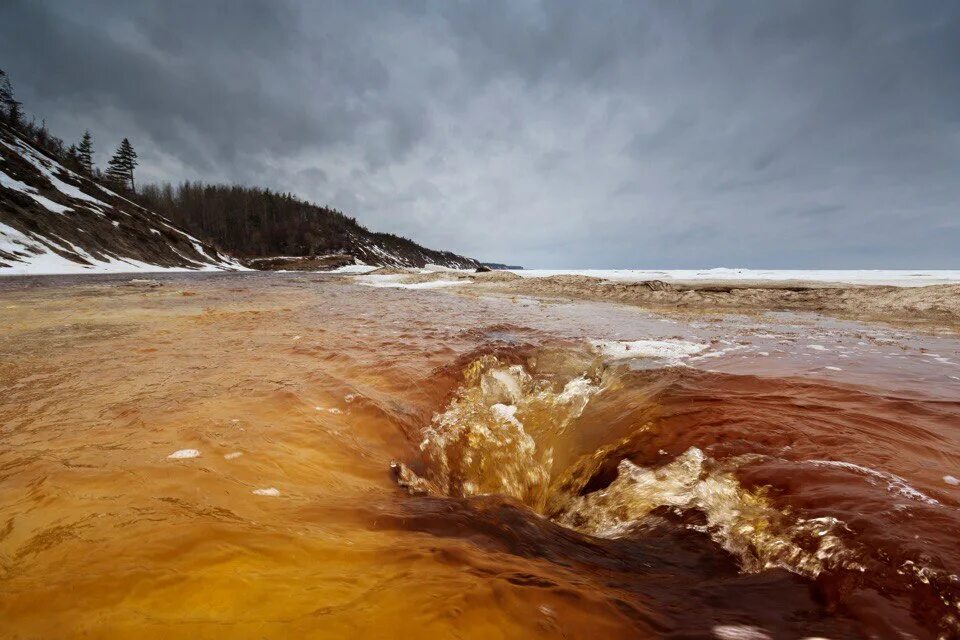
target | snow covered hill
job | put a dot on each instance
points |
(53, 220)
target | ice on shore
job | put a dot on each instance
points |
(354, 269)
(397, 281)
(673, 351)
(890, 277)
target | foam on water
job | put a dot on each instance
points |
(183, 454)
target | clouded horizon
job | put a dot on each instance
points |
(662, 134)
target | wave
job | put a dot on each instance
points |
(614, 453)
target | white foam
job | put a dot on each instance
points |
(232, 455)
(895, 484)
(183, 454)
(721, 352)
(580, 387)
(672, 351)
(951, 480)
(740, 632)
(269, 491)
(506, 413)
(332, 410)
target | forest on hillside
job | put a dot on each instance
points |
(247, 222)
(250, 221)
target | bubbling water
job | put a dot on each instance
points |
(743, 522)
(498, 434)
(495, 436)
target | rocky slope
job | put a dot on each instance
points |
(53, 220)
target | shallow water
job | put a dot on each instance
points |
(786, 476)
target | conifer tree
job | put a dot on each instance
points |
(71, 158)
(121, 165)
(85, 152)
(9, 104)
(6, 90)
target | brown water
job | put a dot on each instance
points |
(790, 479)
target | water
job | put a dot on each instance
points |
(389, 463)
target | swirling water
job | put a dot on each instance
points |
(268, 455)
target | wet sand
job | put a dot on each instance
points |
(571, 468)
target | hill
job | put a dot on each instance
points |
(54, 220)
(258, 224)
(61, 214)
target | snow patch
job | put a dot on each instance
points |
(354, 268)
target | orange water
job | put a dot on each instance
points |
(320, 385)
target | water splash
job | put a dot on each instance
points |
(494, 436)
(743, 522)
(497, 437)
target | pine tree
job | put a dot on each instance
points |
(85, 152)
(121, 165)
(9, 104)
(6, 90)
(71, 157)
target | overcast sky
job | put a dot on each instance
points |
(558, 134)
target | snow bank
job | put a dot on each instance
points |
(435, 268)
(34, 258)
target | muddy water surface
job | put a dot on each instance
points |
(269, 455)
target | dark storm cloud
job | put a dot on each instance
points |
(609, 134)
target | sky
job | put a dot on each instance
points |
(562, 134)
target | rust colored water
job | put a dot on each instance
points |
(392, 464)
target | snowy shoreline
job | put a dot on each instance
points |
(49, 264)
(886, 277)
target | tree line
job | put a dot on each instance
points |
(243, 221)
(77, 157)
(250, 221)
